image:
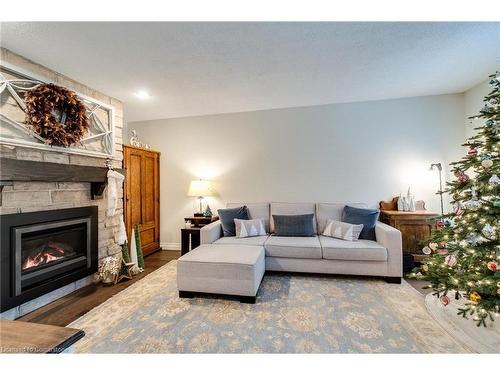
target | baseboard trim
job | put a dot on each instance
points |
(170, 246)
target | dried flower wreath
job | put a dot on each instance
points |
(56, 114)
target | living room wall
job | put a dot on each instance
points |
(367, 151)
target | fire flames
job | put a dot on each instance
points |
(50, 252)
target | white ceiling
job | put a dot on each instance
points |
(206, 68)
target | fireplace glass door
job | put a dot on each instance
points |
(48, 250)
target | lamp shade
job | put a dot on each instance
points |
(200, 188)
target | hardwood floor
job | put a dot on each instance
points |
(69, 308)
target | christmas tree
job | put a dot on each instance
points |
(464, 247)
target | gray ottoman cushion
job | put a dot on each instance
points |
(222, 269)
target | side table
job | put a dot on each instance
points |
(415, 228)
(189, 236)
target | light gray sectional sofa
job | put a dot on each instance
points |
(214, 266)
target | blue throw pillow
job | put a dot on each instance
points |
(227, 216)
(367, 217)
(294, 225)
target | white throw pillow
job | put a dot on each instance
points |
(344, 231)
(249, 228)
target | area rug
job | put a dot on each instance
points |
(293, 314)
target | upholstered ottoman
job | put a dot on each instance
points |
(221, 269)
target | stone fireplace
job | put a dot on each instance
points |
(26, 197)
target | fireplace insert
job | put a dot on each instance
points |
(42, 251)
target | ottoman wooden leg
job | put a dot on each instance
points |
(393, 280)
(247, 299)
(185, 294)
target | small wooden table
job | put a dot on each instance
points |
(193, 233)
(186, 235)
(33, 338)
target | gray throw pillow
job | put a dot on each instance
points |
(227, 216)
(367, 217)
(294, 225)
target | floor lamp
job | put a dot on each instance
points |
(439, 167)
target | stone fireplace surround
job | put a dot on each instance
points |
(40, 196)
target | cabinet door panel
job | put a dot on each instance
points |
(142, 196)
(135, 189)
(149, 189)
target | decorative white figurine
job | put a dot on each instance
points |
(134, 139)
(407, 203)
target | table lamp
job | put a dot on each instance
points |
(200, 189)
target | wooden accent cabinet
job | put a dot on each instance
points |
(142, 195)
(415, 227)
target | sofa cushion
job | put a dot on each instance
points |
(255, 211)
(278, 208)
(343, 231)
(294, 225)
(336, 249)
(365, 216)
(331, 211)
(293, 247)
(227, 216)
(249, 241)
(249, 228)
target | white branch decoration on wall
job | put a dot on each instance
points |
(99, 140)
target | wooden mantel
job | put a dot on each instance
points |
(27, 170)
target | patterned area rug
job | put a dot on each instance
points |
(293, 314)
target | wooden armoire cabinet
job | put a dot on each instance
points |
(142, 195)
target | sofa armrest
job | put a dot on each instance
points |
(211, 232)
(390, 238)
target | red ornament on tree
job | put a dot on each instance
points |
(492, 266)
(472, 151)
(439, 224)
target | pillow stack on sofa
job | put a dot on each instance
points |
(357, 223)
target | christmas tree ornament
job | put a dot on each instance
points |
(442, 251)
(461, 176)
(425, 268)
(434, 246)
(472, 151)
(475, 297)
(449, 223)
(457, 209)
(450, 260)
(427, 250)
(487, 109)
(439, 224)
(492, 266)
(488, 231)
(475, 239)
(445, 300)
(473, 203)
(494, 180)
(487, 163)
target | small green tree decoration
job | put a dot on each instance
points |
(125, 257)
(140, 257)
(208, 212)
(465, 247)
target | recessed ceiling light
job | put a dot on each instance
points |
(142, 94)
